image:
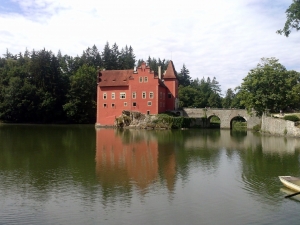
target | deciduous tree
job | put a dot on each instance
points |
(268, 87)
(81, 103)
(292, 19)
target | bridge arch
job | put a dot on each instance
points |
(237, 118)
(214, 121)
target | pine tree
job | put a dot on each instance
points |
(183, 77)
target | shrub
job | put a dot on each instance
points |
(175, 122)
(257, 128)
(293, 118)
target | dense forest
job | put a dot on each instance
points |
(43, 87)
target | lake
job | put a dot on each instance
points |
(76, 174)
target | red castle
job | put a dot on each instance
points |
(139, 90)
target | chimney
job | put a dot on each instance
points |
(159, 72)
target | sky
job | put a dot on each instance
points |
(212, 38)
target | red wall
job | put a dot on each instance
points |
(172, 85)
(106, 115)
(139, 87)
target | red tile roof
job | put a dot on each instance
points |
(110, 78)
(170, 72)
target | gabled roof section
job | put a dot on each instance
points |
(111, 78)
(170, 72)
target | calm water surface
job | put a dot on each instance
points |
(79, 175)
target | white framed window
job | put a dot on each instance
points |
(104, 105)
(149, 103)
(125, 103)
(141, 79)
(104, 95)
(122, 95)
(151, 94)
(145, 79)
(113, 95)
(134, 95)
(143, 94)
(113, 105)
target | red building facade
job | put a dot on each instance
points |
(140, 91)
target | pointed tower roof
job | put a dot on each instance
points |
(170, 72)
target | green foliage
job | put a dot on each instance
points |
(215, 119)
(227, 101)
(32, 88)
(174, 122)
(257, 128)
(127, 58)
(215, 122)
(269, 86)
(81, 108)
(113, 59)
(214, 100)
(187, 96)
(238, 125)
(237, 100)
(291, 118)
(184, 78)
(19, 101)
(200, 94)
(292, 19)
(155, 63)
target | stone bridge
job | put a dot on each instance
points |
(226, 116)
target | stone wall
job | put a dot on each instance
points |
(276, 126)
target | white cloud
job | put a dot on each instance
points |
(216, 38)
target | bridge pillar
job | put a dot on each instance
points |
(225, 124)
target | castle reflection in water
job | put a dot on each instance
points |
(130, 158)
